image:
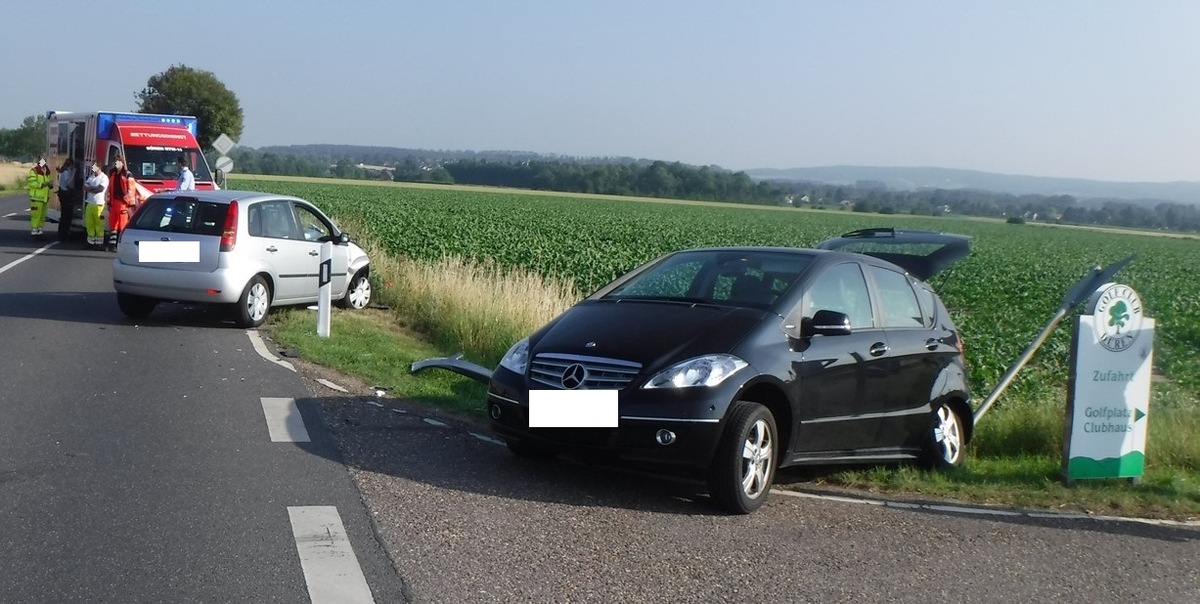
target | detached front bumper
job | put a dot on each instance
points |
(669, 427)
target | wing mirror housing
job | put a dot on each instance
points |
(825, 323)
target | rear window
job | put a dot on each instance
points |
(181, 215)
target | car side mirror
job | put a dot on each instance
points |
(343, 238)
(826, 323)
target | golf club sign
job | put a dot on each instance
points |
(1112, 354)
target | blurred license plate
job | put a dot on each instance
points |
(572, 408)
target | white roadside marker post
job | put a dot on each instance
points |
(324, 276)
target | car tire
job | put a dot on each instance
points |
(135, 307)
(254, 304)
(526, 450)
(358, 293)
(740, 484)
(944, 445)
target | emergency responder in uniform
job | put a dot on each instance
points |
(38, 182)
(122, 197)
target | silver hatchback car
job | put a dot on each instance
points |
(242, 248)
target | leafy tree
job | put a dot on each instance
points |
(182, 90)
(26, 141)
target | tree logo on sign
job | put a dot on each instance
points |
(1119, 310)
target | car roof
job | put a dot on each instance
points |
(224, 196)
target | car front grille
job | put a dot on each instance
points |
(602, 374)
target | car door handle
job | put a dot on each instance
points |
(314, 253)
(931, 344)
(272, 249)
(878, 349)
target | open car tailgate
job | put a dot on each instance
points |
(921, 253)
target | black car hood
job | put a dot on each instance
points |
(648, 332)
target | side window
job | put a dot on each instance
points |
(312, 228)
(842, 288)
(899, 301)
(272, 219)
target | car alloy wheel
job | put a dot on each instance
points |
(358, 295)
(946, 438)
(744, 468)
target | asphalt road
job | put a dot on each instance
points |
(136, 463)
(135, 466)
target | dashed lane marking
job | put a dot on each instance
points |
(284, 422)
(27, 256)
(434, 422)
(331, 570)
(261, 348)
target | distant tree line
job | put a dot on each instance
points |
(873, 197)
(681, 181)
(25, 142)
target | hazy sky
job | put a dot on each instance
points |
(1090, 89)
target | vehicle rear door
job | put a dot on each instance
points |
(914, 358)
(276, 239)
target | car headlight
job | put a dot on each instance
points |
(708, 370)
(516, 359)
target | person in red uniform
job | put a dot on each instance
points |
(122, 198)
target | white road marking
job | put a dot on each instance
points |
(26, 256)
(10, 214)
(261, 348)
(434, 422)
(982, 511)
(375, 404)
(283, 420)
(332, 386)
(400, 411)
(331, 569)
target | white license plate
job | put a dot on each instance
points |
(573, 408)
(168, 251)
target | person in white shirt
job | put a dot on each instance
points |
(187, 181)
(96, 186)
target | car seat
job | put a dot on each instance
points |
(751, 290)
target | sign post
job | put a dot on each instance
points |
(324, 277)
(1109, 399)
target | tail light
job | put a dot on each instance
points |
(962, 349)
(229, 233)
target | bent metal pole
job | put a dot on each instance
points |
(1075, 296)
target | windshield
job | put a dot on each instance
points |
(749, 278)
(160, 163)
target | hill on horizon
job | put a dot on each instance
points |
(907, 179)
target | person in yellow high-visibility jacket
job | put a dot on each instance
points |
(39, 183)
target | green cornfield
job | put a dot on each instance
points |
(1000, 296)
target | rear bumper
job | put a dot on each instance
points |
(221, 286)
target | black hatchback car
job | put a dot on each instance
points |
(734, 362)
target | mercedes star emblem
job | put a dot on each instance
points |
(574, 376)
